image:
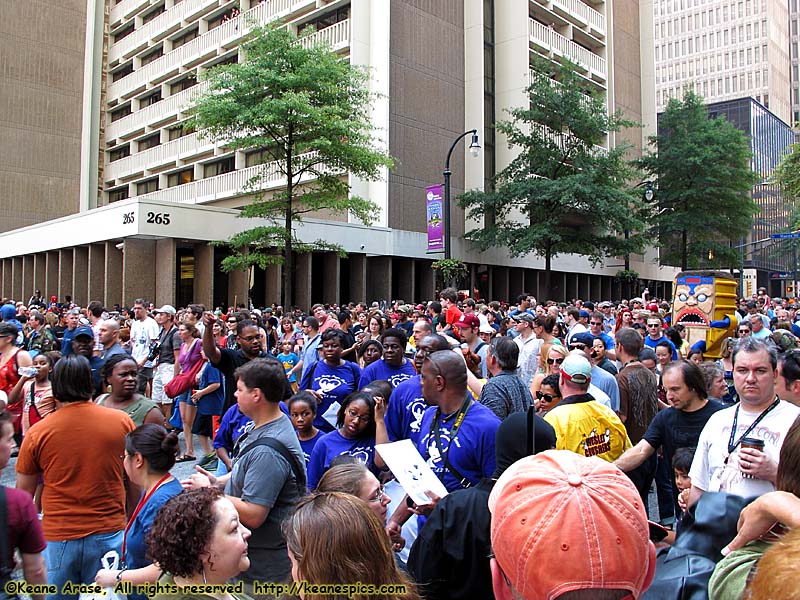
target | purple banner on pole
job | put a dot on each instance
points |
(435, 208)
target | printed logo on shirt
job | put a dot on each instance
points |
(595, 444)
(435, 461)
(328, 383)
(360, 453)
(416, 408)
(396, 380)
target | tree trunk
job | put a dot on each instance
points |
(288, 259)
(684, 250)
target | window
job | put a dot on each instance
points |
(151, 56)
(151, 99)
(326, 20)
(181, 177)
(147, 187)
(122, 72)
(219, 167)
(120, 112)
(123, 33)
(118, 194)
(149, 142)
(257, 157)
(184, 37)
(184, 84)
(147, 17)
(118, 153)
(180, 131)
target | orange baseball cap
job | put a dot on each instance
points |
(563, 522)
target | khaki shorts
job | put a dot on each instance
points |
(164, 373)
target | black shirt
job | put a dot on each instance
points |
(229, 361)
(672, 429)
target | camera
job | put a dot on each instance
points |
(154, 349)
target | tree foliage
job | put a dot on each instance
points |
(574, 196)
(308, 110)
(701, 167)
(787, 173)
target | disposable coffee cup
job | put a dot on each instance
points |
(751, 443)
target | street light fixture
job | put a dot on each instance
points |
(474, 150)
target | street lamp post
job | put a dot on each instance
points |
(474, 149)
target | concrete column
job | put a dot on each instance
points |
(80, 275)
(403, 273)
(165, 272)
(379, 278)
(302, 281)
(112, 277)
(274, 284)
(39, 274)
(500, 283)
(27, 278)
(96, 284)
(358, 278)
(51, 275)
(331, 278)
(516, 283)
(203, 290)
(7, 279)
(16, 277)
(65, 273)
(138, 270)
(427, 283)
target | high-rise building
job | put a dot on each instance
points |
(153, 193)
(724, 50)
(794, 75)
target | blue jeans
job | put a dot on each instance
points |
(77, 561)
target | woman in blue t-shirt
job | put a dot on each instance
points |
(360, 426)
(149, 455)
(331, 379)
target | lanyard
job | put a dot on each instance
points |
(139, 506)
(462, 412)
(731, 444)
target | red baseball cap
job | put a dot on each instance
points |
(563, 522)
(468, 321)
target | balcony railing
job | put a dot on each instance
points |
(158, 112)
(225, 186)
(158, 156)
(205, 45)
(337, 36)
(551, 41)
(124, 8)
(585, 14)
(173, 17)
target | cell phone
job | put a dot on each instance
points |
(657, 532)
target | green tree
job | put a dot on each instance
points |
(308, 110)
(574, 197)
(787, 173)
(701, 168)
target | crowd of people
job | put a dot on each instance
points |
(548, 424)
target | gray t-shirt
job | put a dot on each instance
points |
(262, 476)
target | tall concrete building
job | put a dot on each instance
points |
(794, 26)
(152, 194)
(724, 50)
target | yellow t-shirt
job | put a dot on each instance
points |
(590, 429)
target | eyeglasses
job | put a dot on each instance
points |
(361, 418)
(545, 397)
(595, 323)
(550, 361)
(577, 346)
(250, 338)
(378, 497)
(654, 324)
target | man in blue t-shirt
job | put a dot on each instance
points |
(394, 367)
(655, 334)
(404, 412)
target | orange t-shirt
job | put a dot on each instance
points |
(78, 450)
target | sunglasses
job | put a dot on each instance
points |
(545, 397)
(654, 324)
(595, 323)
(550, 361)
(577, 346)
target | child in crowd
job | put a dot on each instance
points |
(302, 411)
(234, 423)
(681, 463)
(289, 359)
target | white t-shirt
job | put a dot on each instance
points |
(528, 361)
(709, 471)
(142, 333)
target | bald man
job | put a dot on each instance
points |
(108, 334)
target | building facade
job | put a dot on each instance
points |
(152, 193)
(725, 50)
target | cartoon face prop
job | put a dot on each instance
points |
(694, 301)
